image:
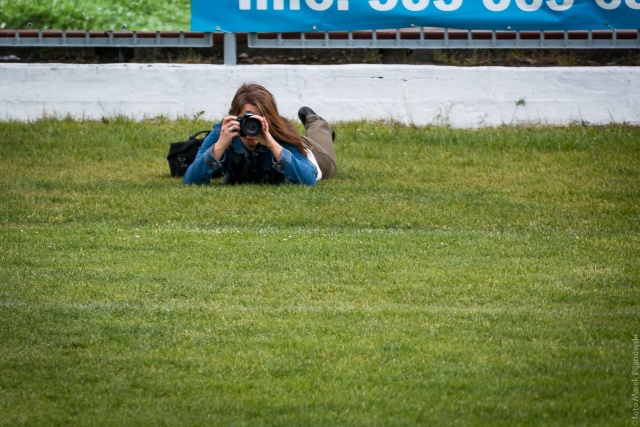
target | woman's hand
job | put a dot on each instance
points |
(265, 138)
(229, 130)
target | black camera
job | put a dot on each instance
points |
(249, 125)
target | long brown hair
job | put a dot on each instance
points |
(280, 127)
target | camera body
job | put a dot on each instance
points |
(249, 125)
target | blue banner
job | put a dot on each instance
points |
(243, 16)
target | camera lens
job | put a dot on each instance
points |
(251, 127)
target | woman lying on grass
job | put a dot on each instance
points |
(255, 144)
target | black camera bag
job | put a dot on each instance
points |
(183, 153)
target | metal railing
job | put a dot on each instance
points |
(409, 38)
(424, 38)
(77, 38)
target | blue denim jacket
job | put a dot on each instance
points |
(238, 166)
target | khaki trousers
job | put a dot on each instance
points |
(320, 143)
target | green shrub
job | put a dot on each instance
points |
(96, 14)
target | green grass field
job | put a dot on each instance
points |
(136, 15)
(444, 277)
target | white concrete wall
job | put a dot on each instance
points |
(461, 97)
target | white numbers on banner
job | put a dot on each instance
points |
(529, 5)
(553, 5)
(443, 6)
(614, 4)
(415, 5)
(383, 7)
(608, 4)
(633, 4)
(492, 6)
(420, 5)
(526, 7)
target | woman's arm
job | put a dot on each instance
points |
(200, 171)
(289, 161)
(296, 168)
